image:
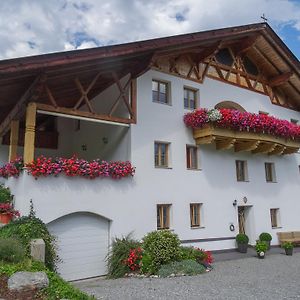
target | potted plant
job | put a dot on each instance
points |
(267, 238)
(261, 248)
(7, 213)
(288, 247)
(242, 242)
(5, 194)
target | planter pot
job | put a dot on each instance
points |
(243, 248)
(5, 218)
(289, 251)
(261, 255)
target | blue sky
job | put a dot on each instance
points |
(30, 27)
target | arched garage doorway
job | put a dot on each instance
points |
(82, 242)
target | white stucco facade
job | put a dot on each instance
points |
(130, 204)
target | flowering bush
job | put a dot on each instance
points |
(8, 209)
(242, 121)
(73, 166)
(134, 259)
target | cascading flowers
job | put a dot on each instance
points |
(242, 121)
(71, 167)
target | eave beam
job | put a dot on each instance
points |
(280, 79)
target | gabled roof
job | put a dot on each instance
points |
(60, 69)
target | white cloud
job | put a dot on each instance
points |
(29, 27)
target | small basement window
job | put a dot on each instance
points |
(274, 213)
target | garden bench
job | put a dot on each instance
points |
(290, 236)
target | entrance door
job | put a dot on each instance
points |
(241, 215)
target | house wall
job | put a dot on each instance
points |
(130, 204)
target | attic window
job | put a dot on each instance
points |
(250, 67)
(224, 57)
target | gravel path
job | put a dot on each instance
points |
(275, 277)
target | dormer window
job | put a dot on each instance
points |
(250, 67)
(224, 57)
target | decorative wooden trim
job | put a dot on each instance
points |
(133, 98)
(244, 141)
(280, 79)
(30, 132)
(14, 137)
(78, 113)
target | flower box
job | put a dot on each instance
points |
(243, 131)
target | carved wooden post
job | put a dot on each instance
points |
(30, 133)
(133, 92)
(14, 137)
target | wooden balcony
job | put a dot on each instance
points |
(244, 141)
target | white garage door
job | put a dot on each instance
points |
(82, 241)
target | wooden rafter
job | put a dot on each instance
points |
(280, 79)
(30, 94)
(265, 148)
(50, 96)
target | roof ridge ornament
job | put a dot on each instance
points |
(264, 18)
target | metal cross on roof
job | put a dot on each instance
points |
(264, 18)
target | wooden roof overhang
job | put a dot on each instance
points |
(66, 79)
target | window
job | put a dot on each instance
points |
(160, 92)
(270, 172)
(263, 113)
(274, 213)
(224, 57)
(195, 214)
(191, 157)
(161, 154)
(190, 97)
(250, 67)
(241, 170)
(163, 216)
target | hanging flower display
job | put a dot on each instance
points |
(243, 121)
(71, 167)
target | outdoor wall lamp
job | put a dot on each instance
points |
(234, 203)
(105, 140)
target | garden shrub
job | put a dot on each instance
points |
(30, 227)
(146, 265)
(162, 246)
(185, 267)
(187, 253)
(57, 289)
(11, 250)
(199, 255)
(5, 194)
(119, 254)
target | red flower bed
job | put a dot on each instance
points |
(71, 167)
(134, 259)
(243, 121)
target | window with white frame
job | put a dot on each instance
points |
(190, 98)
(163, 216)
(274, 213)
(241, 170)
(160, 92)
(270, 172)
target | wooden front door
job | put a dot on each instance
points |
(241, 212)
